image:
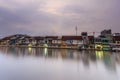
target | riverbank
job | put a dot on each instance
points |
(50, 47)
(65, 47)
(53, 47)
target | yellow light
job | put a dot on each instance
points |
(98, 47)
(45, 51)
(30, 49)
(99, 54)
(29, 45)
(45, 45)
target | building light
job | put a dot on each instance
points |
(45, 51)
(45, 45)
(30, 49)
(29, 45)
(99, 54)
(98, 47)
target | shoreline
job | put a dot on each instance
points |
(52, 47)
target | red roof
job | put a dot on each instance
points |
(39, 37)
(91, 37)
(52, 37)
(8, 37)
(71, 37)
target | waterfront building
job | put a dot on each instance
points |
(71, 41)
(116, 34)
(88, 41)
(91, 42)
(98, 43)
(106, 43)
(52, 41)
(39, 40)
(22, 39)
(17, 39)
(6, 40)
(106, 39)
(107, 34)
(116, 40)
(85, 41)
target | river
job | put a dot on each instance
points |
(58, 64)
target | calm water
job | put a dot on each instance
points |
(56, 64)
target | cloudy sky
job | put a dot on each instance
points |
(58, 17)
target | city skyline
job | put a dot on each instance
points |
(58, 17)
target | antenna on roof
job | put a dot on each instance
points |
(76, 30)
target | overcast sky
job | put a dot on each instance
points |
(58, 17)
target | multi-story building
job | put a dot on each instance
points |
(106, 39)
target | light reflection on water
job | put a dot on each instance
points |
(58, 64)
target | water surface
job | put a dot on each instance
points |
(58, 64)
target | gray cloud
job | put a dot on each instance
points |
(45, 18)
